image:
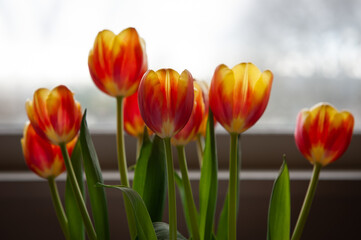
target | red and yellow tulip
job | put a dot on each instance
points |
(322, 133)
(133, 121)
(55, 115)
(166, 100)
(188, 133)
(239, 96)
(118, 62)
(42, 157)
(205, 92)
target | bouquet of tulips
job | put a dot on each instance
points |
(164, 108)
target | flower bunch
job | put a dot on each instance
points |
(175, 109)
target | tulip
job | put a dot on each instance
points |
(166, 102)
(46, 160)
(188, 133)
(239, 96)
(42, 157)
(118, 62)
(322, 135)
(133, 121)
(55, 115)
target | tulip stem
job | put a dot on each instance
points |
(171, 191)
(122, 165)
(78, 194)
(188, 193)
(232, 190)
(297, 232)
(200, 149)
(139, 145)
(59, 210)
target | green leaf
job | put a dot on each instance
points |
(150, 176)
(279, 212)
(93, 175)
(179, 182)
(75, 220)
(208, 184)
(143, 221)
(162, 231)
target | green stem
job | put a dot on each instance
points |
(78, 194)
(200, 149)
(233, 186)
(188, 193)
(171, 191)
(297, 232)
(122, 165)
(139, 145)
(59, 210)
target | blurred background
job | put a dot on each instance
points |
(313, 47)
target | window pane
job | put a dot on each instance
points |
(313, 47)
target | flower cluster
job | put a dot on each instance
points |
(178, 109)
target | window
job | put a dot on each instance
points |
(312, 47)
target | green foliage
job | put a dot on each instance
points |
(143, 221)
(150, 176)
(208, 185)
(75, 220)
(93, 175)
(279, 213)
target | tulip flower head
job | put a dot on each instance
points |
(166, 100)
(118, 62)
(322, 133)
(188, 133)
(42, 157)
(239, 96)
(133, 121)
(55, 115)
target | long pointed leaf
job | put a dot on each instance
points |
(279, 213)
(208, 184)
(93, 175)
(75, 220)
(150, 177)
(143, 221)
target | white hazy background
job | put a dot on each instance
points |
(313, 47)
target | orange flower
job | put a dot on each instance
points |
(166, 100)
(322, 133)
(205, 91)
(118, 62)
(55, 115)
(133, 121)
(188, 133)
(239, 96)
(42, 157)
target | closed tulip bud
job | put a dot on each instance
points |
(118, 62)
(205, 92)
(42, 157)
(188, 133)
(239, 96)
(55, 115)
(166, 100)
(322, 133)
(133, 121)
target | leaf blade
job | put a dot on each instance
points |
(208, 184)
(93, 175)
(279, 213)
